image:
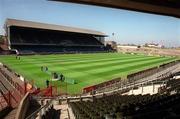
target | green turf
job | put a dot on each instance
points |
(85, 69)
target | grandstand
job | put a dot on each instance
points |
(26, 37)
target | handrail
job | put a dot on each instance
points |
(38, 110)
(22, 108)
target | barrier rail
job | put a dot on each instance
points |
(3, 103)
(35, 114)
(23, 106)
(11, 96)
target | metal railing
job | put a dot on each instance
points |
(35, 114)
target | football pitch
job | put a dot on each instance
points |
(84, 69)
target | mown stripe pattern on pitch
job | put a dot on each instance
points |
(86, 69)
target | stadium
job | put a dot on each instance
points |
(51, 71)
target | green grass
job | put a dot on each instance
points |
(85, 69)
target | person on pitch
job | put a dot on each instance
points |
(61, 77)
(47, 83)
(41, 68)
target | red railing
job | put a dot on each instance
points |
(51, 91)
(9, 96)
(9, 99)
(3, 103)
(95, 87)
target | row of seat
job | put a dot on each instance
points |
(131, 81)
(115, 106)
(35, 48)
(150, 71)
(51, 37)
(125, 107)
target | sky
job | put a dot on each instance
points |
(129, 27)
